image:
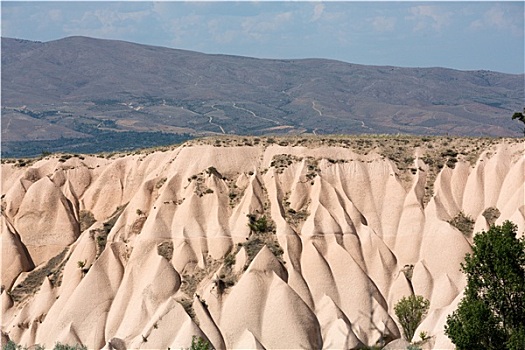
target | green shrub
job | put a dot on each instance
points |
(463, 222)
(491, 314)
(410, 311)
(59, 346)
(197, 343)
(259, 225)
(11, 345)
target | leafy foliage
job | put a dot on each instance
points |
(521, 117)
(59, 346)
(259, 225)
(410, 311)
(11, 345)
(492, 313)
(197, 343)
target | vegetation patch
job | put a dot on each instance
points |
(11, 345)
(282, 161)
(235, 193)
(101, 235)
(86, 219)
(463, 222)
(491, 215)
(491, 314)
(198, 343)
(410, 311)
(294, 217)
(312, 168)
(200, 188)
(165, 249)
(136, 228)
(160, 183)
(262, 233)
(33, 281)
(190, 282)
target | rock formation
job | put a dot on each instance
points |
(147, 250)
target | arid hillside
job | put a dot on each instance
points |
(249, 243)
(86, 95)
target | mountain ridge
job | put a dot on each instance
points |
(65, 88)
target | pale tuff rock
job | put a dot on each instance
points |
(148, 250)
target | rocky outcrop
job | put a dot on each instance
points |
(166, 252)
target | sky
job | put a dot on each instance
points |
(459, 35)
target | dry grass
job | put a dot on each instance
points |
(436, 151)
(256, 241)
(235, 193)
(191, 280)
(294, 217)
(165, 249)
(200, 188)
(101, 235)
(463, 222)
(136, 228)
(86, 219)
(491, 215)
(33, 281)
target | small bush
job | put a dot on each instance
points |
(413, 347)
(86, 219)
(410, 311)
(160, 183)
(491, 215)
(259, 225)
(11, 345)
(463, 222)
(197, 343)
(165, 249)
(449, 153)
(59, 346)
(229, 260)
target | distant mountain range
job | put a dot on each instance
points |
(84, 94)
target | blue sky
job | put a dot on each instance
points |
(459, 35)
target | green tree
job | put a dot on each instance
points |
(491, 314)
(258, 225)
(410, 311)
(197, 343)
(521, 117)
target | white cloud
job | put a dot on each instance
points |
(501, 19)
(318, 12)
(428, 16)
(219, 33)
(257, 27)
(180, 29)
(106, 23)
(54, 15)
(383, 24)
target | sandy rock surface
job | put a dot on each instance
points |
(148, 250)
